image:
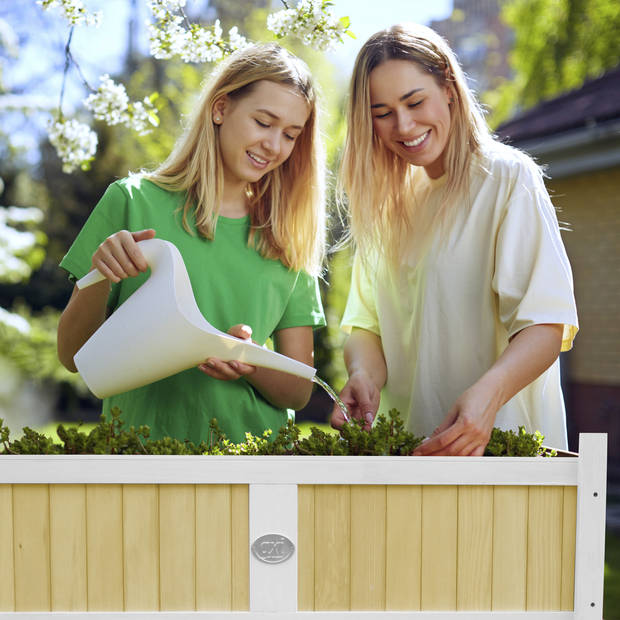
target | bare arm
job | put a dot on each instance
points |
(280, 389)
(116, 258)
(467, 427)
(363, 356)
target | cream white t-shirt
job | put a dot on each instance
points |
(449, 311)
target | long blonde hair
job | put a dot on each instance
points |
(287, 205)
(376, 181)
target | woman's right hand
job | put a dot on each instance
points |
(361, 396)
(119, 256)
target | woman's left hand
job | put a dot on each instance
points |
(466, 429)
(230, 371)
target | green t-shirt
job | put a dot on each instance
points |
(232, 283)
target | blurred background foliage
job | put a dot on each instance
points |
(557, 45)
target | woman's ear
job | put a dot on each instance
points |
(219, 109)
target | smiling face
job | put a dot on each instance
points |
(258, 131)
(411, 113)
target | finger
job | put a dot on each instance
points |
(131, 250)
(219, 370)
(337, 418)
(244, 332)
(143, 235)
(241, 368)
(433, 445)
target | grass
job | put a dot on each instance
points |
(611, 606)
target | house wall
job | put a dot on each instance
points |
(590, 205)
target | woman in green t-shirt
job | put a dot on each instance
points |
(242, 197)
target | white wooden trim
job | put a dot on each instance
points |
(85, 469)
(590, 540)
(273, 510)
(300, 615)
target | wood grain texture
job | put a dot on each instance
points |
(544, 548)
(475, 548)
(68, 547)
(332, 589)
(569, 528)
(439, 547)
(240, 547)
(510, 518)
(213, 547)
(403, 548)
(104, 536)
(368, 516)
(141, 547)
(305, 548)
(7, 574)
(177, 547)
(31, 525)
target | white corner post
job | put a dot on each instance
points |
(590, 540)
(273, 523)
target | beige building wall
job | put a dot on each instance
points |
(590, 205)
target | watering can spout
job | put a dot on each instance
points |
(160, 331)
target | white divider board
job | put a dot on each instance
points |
(91, 469)
(273, 510)
(590, 539)
(300, 615)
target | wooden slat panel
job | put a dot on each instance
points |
(141, 547)
(403, 547)
(31, 547)
(240, 544)
(7, 581)
(68, 547)
(213, 547)
(332, 585)
(475, 548)
(104, 533)
(544, 548)
(439, 547)
(510, 510)
(569, 528)
(305, 548)
(368, 508)
(177, 547)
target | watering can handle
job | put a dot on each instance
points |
(92, 277)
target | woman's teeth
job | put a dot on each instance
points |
(257, 159)
(417, 140)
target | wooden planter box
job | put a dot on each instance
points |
(418, 538)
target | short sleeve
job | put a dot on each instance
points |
(533, 278)
(361, 308)
(108, 216)
(304, 307)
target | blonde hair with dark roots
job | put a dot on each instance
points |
(378, 182)
(287, 205)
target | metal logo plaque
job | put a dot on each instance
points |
(273, 548)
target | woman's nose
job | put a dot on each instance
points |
(405, 121)
(271, 142)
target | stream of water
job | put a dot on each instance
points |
(333, 396)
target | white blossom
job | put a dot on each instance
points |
(74, 142)
(73, 11)
(111, 104)
(312, 21)
(15, 244)
(172, 36)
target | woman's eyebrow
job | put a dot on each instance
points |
(276, 117)
(405, 96)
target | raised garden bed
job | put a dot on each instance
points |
(425, 537)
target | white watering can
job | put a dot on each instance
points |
(160, 331)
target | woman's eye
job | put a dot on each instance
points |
(261, 123)
(382, 115)
(289, 137)
(417, 103)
